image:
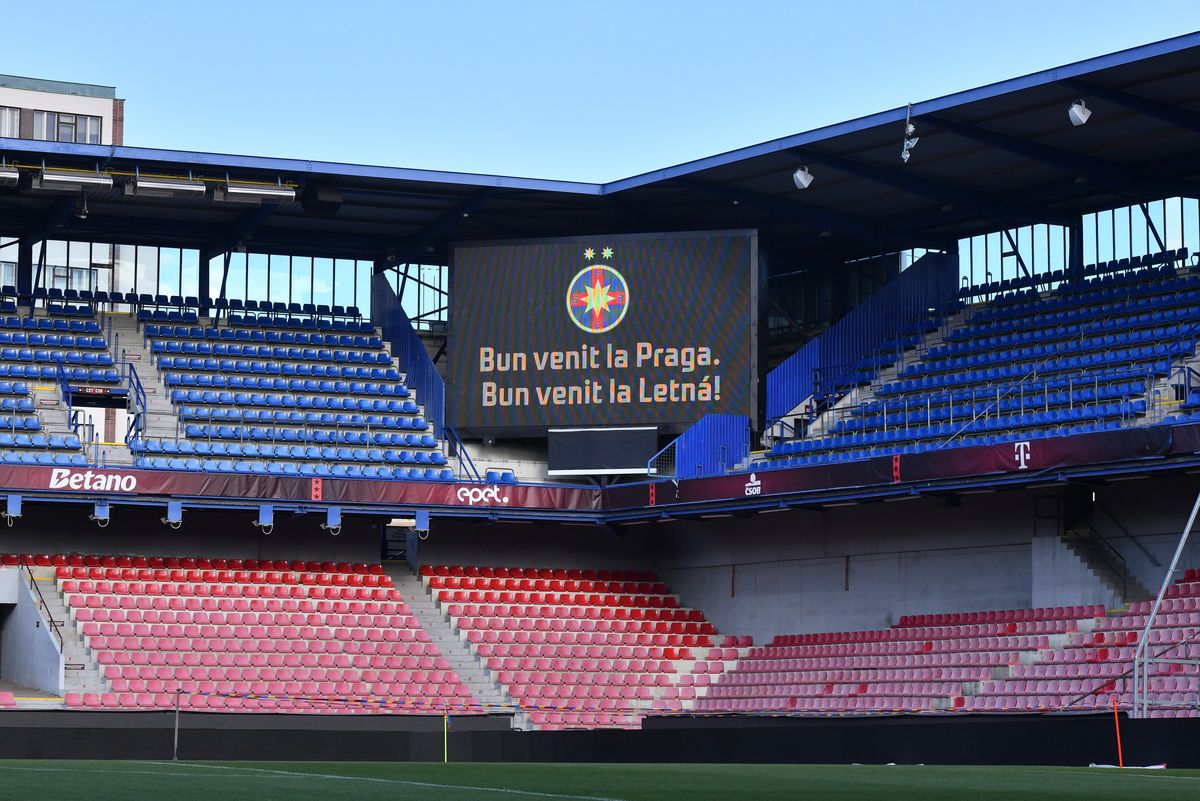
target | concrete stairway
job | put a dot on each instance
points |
(81, 674)
(466, 664)
(129, 343)
(823, 425)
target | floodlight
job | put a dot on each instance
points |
(236, 192)
(143, 186)
(64, 181)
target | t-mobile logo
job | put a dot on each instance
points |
(1021, 454)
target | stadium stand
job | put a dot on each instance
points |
(250, 635)
(924, 663)
(1083, 356)
(1095, 665)
(581, 648)
(50, 353)
(283, 395)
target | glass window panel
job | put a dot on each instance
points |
(92, 130)
(147, 271)
(362, 295)
(256, 276)
(343, 282)
(301, 280)
(123, 272)
(55, 271)
(235, 282)
(8, 261)
(10, 122)
(322, 282)
(168, 271)
(79, 260)
(281, 283)
(1191, 224)
(102, 255)
(189, 275)
(45, 123)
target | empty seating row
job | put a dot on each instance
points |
(308, 385)
(91, 375)
(55, 442)
(304, 435)
(561, 598)
(558, 573)
(266, 450)
(304, 324)
(551, 580)
(295, 418)
(304, 470)
(1167, 257)
(45, 324)
(191, 396)
(194, 332)
(59, 356)
(173, 350)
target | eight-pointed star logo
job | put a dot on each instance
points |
(597, 297)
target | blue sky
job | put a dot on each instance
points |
(593, 91)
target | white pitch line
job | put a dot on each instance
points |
(96, 770)
(408, 782)
(1108, 774)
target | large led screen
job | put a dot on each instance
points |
(602, 330)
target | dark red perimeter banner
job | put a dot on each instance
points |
(1026, 457)
(91, 481)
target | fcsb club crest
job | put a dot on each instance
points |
(597, 297)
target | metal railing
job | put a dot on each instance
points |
(136, 427)
(55, 625)
(466, 465)
(1099, 549)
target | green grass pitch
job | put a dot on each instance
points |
(58, 780)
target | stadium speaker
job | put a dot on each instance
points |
(12, 510)
(1078, 113)
(100, 515)
(802, 178)
(321, 199)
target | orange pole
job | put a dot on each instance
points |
(1117, 725)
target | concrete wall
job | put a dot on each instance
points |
(29, 652)
(1061, 578)
(850, 568)
(1154, 511)
(534, 545)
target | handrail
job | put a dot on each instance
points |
(88, 437)
(139, 402)
(63, 384)
(466, 467)
(55, 626)
(668, 469)
(1098, 551)
(1153, 560)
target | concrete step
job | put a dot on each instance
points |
(465, 663)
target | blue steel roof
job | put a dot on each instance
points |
(989, 157)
